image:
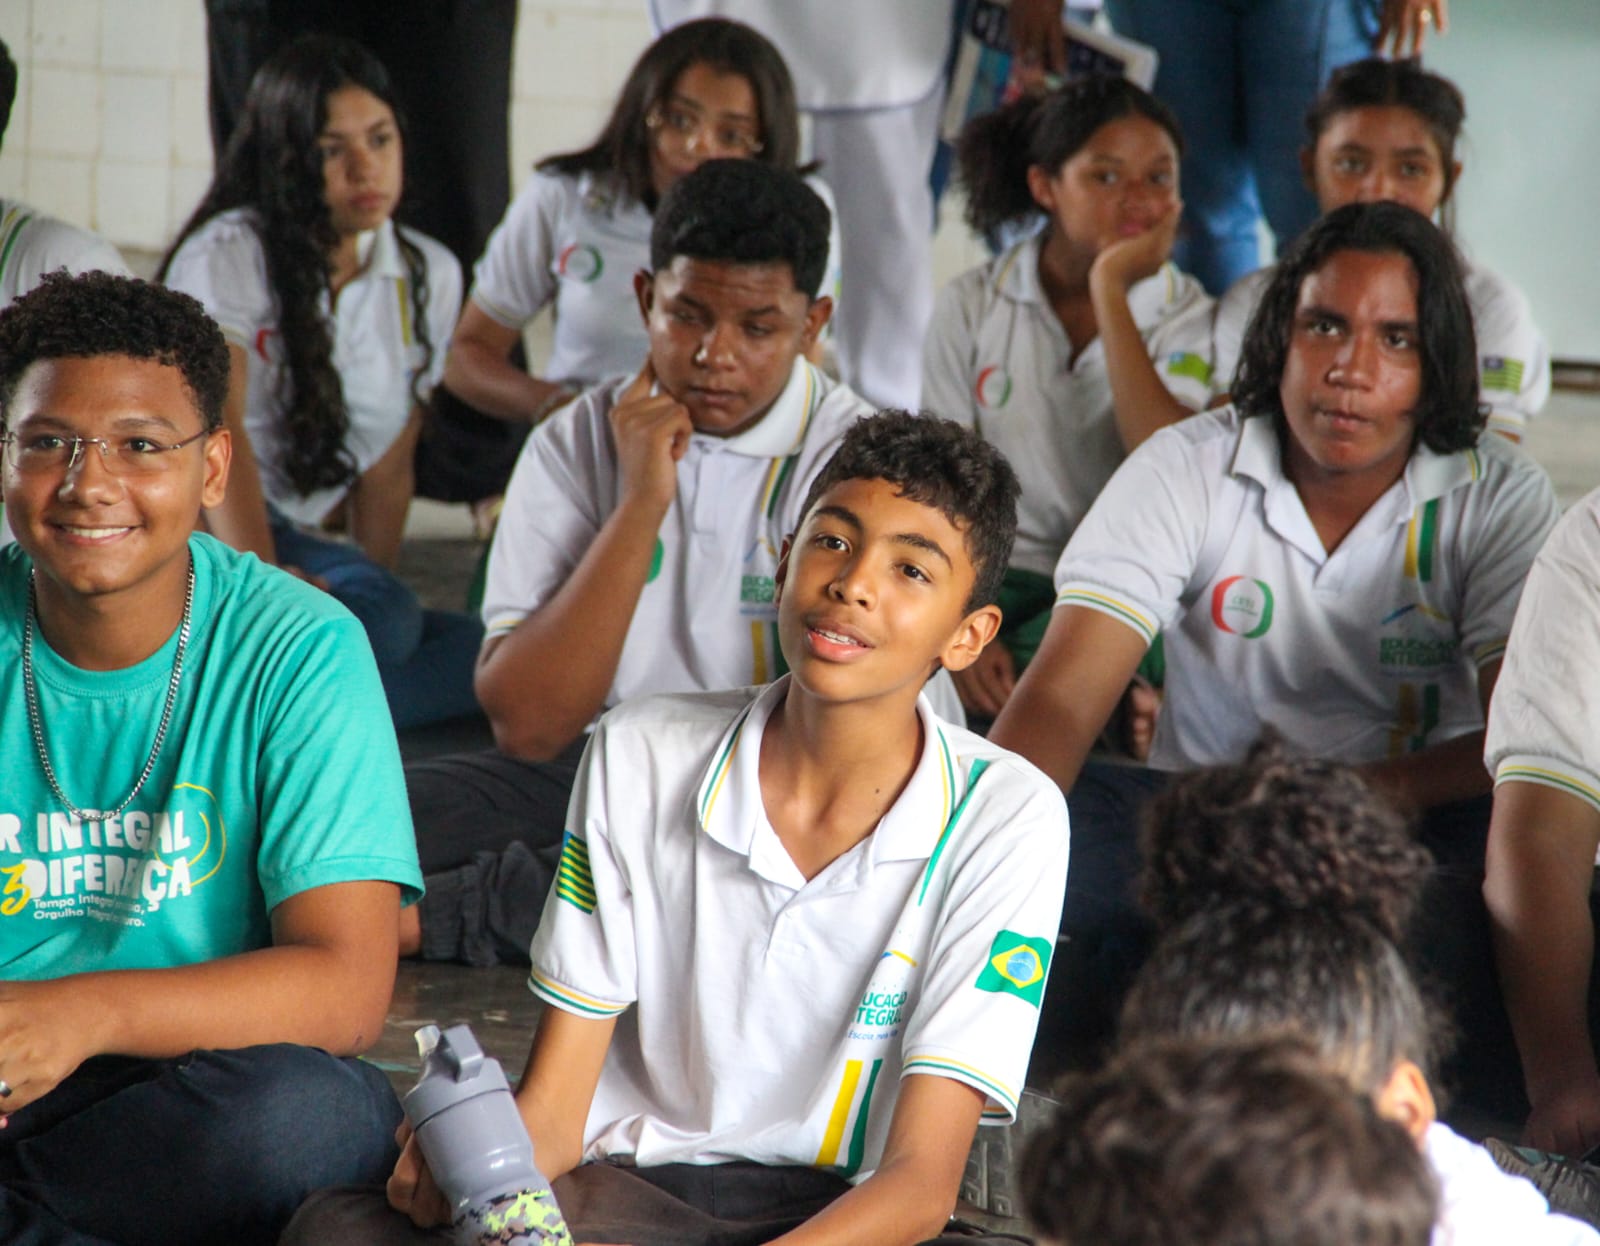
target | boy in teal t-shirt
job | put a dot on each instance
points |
(204, 837)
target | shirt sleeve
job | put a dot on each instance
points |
(984, 981)
(515, 279)
(224, 267)
(1504, 540)
(552, 512)
(583, 954)
(948, 352)
(1547, 700)
(1135, 551)
(56, 244)
(328, 723)
(1181, 346)
(1513, 357)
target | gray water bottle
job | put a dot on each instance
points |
(476, 1146)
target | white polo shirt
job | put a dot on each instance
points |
(575, 241)
(32, 244)
(1543, 727)
(1366, 653)
(775, 1016)
(1513, 357)
(706, 618)
(998, 361)
(376, 350)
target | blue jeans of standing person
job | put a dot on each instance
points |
(426, 657)
(214, 1146)
(1240, 74)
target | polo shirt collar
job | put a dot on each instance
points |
(1428, 474)
(782, 430)
(384, 259)
(1017, 278)
(729, 798)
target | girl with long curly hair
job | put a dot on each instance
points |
(335, 318)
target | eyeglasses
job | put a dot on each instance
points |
(689, 127)
(40, 453)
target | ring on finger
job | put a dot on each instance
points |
(5, 1089)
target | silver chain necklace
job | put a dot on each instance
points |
(100, 815)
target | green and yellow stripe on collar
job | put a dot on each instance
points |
(11, 225)
(714, 782)
(783, 467)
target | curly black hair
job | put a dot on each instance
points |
(67, 317)
(621, 151)
(1449, 415)
(996, 149)
(1223, 1144)
(1331, 978)
(941, 464)
(1281, 832)
(273, 165)
(741, 212)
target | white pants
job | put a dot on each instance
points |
(876, 162)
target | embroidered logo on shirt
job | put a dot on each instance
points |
(1501, 373)
(580, 262)
(574, 882)
(993, 387)
(1242, 606)
(1016, 966)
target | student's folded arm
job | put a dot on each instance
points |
(241, 520)
(543, 682)
(1067, 694)
(326, 982)
(913, 1192)
(479, 370)
(1542, 844)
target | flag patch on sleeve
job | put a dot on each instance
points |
(1017, 965)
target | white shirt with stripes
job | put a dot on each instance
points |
(768, 1017)
(1513, 356)
(1369, 652)
(32, 244)
(376, 349)
(998, 361)
(1543, 728)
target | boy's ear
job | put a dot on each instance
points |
(1407, 1099)
(218, 458)
(970, 638)
(817, 318)
(644, 290)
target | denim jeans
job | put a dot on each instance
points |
(207, 1148)
(426, 657)
(1240, 74)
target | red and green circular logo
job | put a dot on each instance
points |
(1242, 606)
(580, 262)
(993, 387)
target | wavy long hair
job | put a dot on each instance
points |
(273, 166)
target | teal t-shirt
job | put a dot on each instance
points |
(280, 773)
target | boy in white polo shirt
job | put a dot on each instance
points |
(1338, 557)
(800, 934)
(639, 541)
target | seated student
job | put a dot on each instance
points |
(1280, 889)
(639, 541)
(1072, 347)
(1223, 1144)
(579, 230)
(1339, 557)
(1543, 838)
(336, 320)
(1386, 129)
(864, 894)
(183, 730)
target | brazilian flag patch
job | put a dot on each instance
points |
(574, 882)
(1016, 966)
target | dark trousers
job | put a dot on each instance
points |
(736, 1204)
(212, 1148)
(489, 838)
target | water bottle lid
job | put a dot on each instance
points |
(453, 1072)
